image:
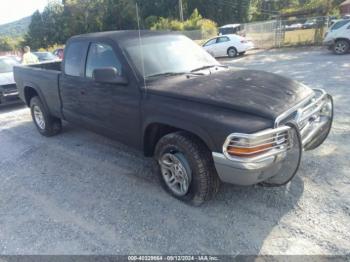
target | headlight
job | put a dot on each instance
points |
(258, 145)
(277, 151)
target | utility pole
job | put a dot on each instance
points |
(181, 11)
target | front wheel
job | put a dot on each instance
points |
(46, 124)
(341, 47)
(187, 170)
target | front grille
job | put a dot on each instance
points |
(301, 113)
(11, 87)
(8, 93)
(311, 111)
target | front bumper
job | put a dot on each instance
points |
(308, 126)
(329, 44)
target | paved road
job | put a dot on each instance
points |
(80, 193)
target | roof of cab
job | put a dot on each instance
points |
(121, 36)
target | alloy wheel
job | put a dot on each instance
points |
(340, 47)
(176, 172)
(39, 117)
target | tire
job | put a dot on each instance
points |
(341, 47)
(232, 52)
(195, 166)
(46, 124)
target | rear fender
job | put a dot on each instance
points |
(38, 91)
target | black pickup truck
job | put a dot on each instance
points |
(160, 92)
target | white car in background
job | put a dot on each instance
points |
(228, 45)
(338, 37)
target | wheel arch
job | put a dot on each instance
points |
(29, 91)
(342, 38)
(153, 131)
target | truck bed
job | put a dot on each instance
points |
(44, 78)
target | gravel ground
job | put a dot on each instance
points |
(80, 193)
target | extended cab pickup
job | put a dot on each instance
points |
(163, 94)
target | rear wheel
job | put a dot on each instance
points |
(341, 47)
(187, 170)
(232, 52)
(46, 124)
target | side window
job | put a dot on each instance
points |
(101, 55)
(74, 58)
(339, 24)
(210, 42)
(223, 39)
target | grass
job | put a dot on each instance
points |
(303, 36)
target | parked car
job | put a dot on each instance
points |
(8, 89)
(310, 23)
(15, 57)
(45, 56)
(338, 37)
(202, 122)
(295, 26)
(59, 52)
(230, 29)
(228, 45)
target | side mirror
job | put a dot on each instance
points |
(108, 75)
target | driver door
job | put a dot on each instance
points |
(109, 108)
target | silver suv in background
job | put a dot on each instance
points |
(338, 37)
(8, 89)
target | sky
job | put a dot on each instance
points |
(12, 10)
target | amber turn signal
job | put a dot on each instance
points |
(248, 151)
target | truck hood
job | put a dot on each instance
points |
(6, 79)
(255, 92)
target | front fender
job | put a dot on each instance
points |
(179, 123)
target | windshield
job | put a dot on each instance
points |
(339, 24)
(6, 65)
(166, 54)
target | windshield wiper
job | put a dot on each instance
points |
(173, 74)
(167, 74)
(206, 67)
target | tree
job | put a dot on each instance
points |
(5, 44)
(120, 15)
(35, 35)
(52, 19)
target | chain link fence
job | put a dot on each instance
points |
(279, 33)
